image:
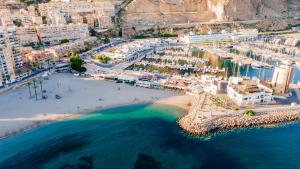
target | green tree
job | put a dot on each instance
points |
(34, 87)
(44, 19)
(29, 89)
(77, 62)
(88, 45)
(18, 22)
(106, 40)
(62, 41)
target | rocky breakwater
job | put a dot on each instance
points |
(219, 123)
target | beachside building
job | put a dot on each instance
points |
(148, 84)
(40, 59)
(11, 63)
(62, 68)
(246, 91)
(281, 80)
(212, 84)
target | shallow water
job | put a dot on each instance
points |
(147, 136)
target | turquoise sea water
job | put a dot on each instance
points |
(147, 137)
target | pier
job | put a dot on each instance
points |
(204, 119)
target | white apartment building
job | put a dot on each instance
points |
(60, 50)
(220, 37)
(54, 33)
(11, 62)
(92, 12)
(246, 92)
(76, 18)
(213, 85)
(57, 18)
(26, 35)
(244, 34)
(207, 38)
(78, 7)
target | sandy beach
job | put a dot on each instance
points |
(78, 96)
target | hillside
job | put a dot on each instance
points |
(145, 12)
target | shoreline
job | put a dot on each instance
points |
(61, 117)
(79, 97)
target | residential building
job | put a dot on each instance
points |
(221, 38)
(26, 35)
(214, 85)
(95, 14)
(37, 20)
(246, 91)
(40, 59)
(106, 7)
(11, 63)
(54, 33)
(244, 35)
(61, 50)
(281, 79)
(207, 38)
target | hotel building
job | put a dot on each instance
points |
(281, 79)
(245, 92)
(11, 63)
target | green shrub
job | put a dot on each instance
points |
(103, 59)
(64, 41)
(77, 62)
(249, 113)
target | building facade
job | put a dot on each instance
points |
(53, 34)
(11, 63)
(246, 92)
(282, 78)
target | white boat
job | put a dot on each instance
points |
(255, 65)
(298, 84)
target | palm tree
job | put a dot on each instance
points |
(41, 85)
(29, 84)
(48, 62)
(34, 87)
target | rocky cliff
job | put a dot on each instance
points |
(164, 12)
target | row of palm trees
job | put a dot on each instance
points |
(35, 83)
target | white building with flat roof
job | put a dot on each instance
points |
(207, 38)
(224, 37)
(246, 92)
